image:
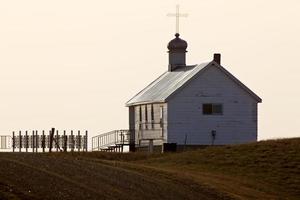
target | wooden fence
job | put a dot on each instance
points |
(40, 141)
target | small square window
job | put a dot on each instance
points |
(217, 109)
(212, 109)
(207, 109)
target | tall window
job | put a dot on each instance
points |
(152, 116)
(212, 109)
(140, 117)
(146, 117)
(140, 113)
(146, 113)
(161, 116)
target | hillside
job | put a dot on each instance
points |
(263, 170)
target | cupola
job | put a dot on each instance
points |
(177, 50)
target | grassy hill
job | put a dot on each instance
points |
(263, 170)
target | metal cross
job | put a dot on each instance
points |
(177, 15)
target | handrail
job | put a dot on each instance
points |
(116, 137)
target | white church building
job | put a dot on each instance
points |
(201, 104)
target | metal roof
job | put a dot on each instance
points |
(166, 84)
(169, 82)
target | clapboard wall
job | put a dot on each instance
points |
(186, 122)
(150, 131)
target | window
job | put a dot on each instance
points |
(212, 109)
(161, 120)
(146, 113)
(140, 117)
(161, 112)
(140, 114)
(152, 113)
(146, 116)
(152, 116)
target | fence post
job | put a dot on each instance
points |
(72, 141)
(36, 141)
(51, 139)
(57, 141)
(86, 140)
(43, 141)
(78, 141)
(65, 142)
(33, 141)
(13, 141)
(26, 141)
(20, 141)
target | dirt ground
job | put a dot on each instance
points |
(65, 176)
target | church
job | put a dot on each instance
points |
(192, 105)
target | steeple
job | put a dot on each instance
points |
(177, 46)
(177, 49)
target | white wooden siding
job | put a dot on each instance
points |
(238, 124)
(156, 127)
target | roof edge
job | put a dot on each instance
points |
(127, 104)
(192, 78)
(255, 96)
(143, 103)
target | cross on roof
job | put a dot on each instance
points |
(177, 15)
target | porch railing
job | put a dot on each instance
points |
(112, 138)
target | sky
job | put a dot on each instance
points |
(73, 64)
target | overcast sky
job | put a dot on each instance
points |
(73, 64)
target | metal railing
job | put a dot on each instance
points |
(112, 138)
(118, 138)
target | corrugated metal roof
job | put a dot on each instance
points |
(161, 88)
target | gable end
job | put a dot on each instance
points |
(227, 73)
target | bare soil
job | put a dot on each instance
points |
(67, 176)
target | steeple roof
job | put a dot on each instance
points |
(177, 44)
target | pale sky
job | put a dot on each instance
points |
(73, 64)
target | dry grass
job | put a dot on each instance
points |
(269, 167)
